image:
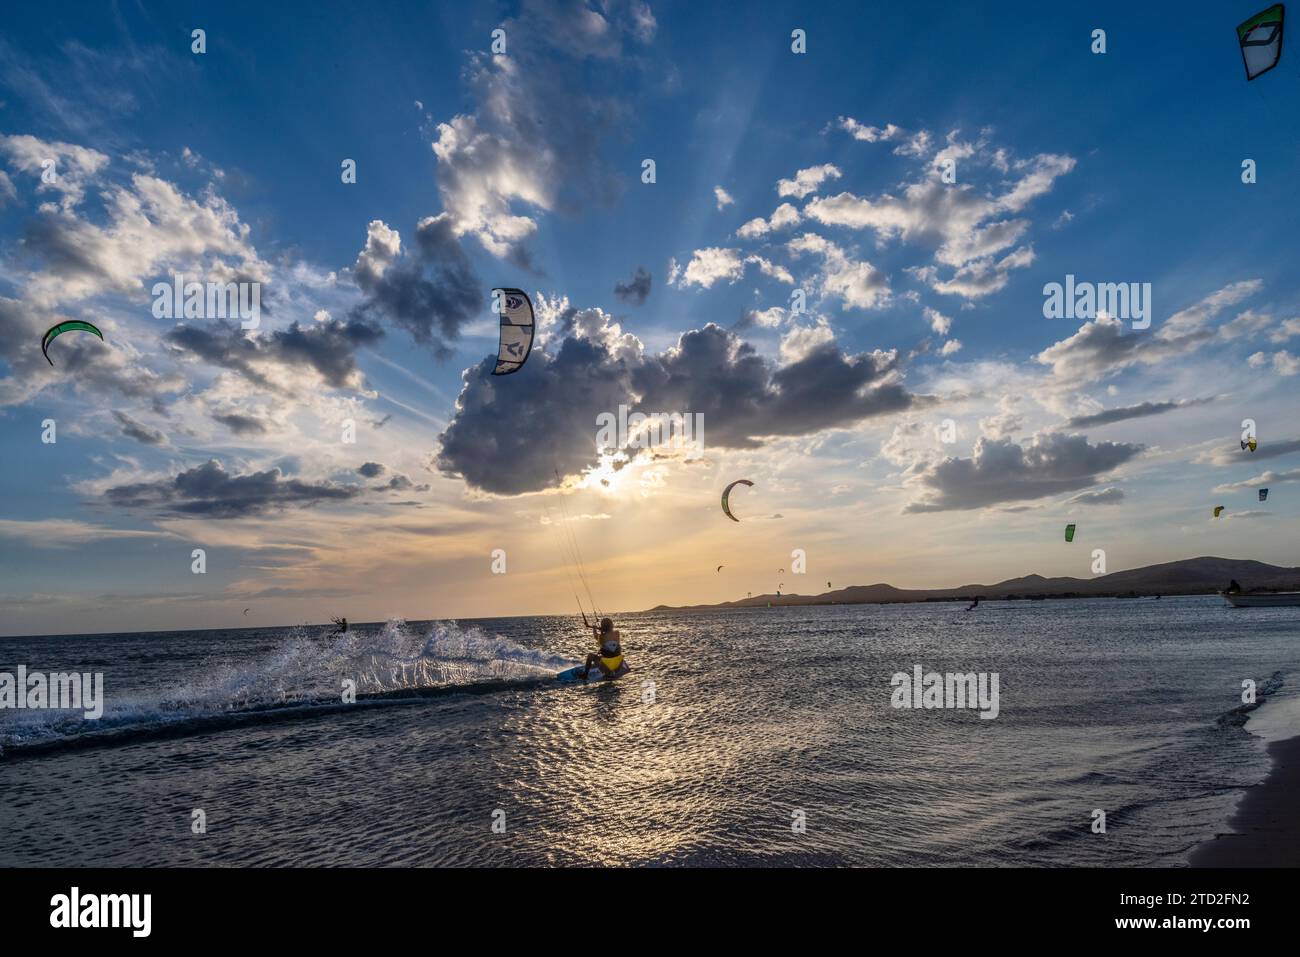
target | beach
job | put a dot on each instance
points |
(1265, 829)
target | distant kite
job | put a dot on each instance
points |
(721, 567)
(1261, 41)
(726, 497)
(1249, 444)
(245, 611)
(1263, 495)
(58, 329)
(1217, 510)
(1069, 533)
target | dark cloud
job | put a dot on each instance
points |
(508, 436)
(370, 469)
(63, 246)
(240, 424)
(1234, 454)
(210, 491)
(328, 348)
(138, 430)
(431, 292)
(745, 398)
(1132, 412)
(510, 433)
(1002, 471)
(401, 483)
(636, 290)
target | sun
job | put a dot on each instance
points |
(610, 475)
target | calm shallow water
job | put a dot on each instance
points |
(757, 714)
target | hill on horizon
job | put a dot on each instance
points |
(1188, 576)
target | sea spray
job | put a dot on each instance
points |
(305, 668)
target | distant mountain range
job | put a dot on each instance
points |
(1191, 576)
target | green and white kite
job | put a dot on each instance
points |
(1261, 41)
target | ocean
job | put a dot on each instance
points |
(741, 737)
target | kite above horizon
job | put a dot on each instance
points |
(517, 329)
(59, 328)
(726, 497)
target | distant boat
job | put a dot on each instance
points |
(1276, 600)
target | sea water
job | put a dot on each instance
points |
(741, 737)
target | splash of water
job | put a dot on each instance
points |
(303, 669)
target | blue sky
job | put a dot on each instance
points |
(474, 170)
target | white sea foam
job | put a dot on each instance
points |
(1279, 717)
(304, 668)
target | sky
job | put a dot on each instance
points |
(829, 229)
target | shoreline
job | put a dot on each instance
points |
(1264, 830)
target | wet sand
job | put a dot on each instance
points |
(1266, 826)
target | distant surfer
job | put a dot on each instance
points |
(610, 657)
(1233, 587)
(340, 626)
(973, 604)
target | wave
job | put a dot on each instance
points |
(304, 673)
(1238, 716)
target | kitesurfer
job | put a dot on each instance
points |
(341, 626)
(610, 657)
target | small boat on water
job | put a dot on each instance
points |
(1263, 600)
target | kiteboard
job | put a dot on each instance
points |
(575, 675)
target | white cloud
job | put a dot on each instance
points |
(710, 265)
(1101, 347)
(967, 229)
(64, 533)
(868, 134)
(1288, 329)
(718, 264)
(784, 215)
(801, 340)
(722, 197)
(806, 181)
(770, 318)
(940, 323)
(858, 284)
(1286, 364)
(73, 166)
(768, 268)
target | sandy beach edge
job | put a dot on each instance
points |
(1265, 828)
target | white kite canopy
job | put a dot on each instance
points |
(1261, 41)
(517, 328)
